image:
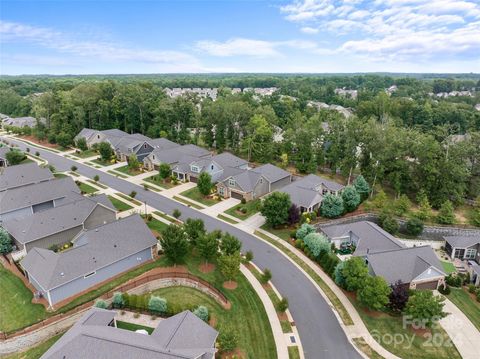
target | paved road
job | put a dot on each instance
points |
(319, 330)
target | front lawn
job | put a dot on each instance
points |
(119, 205)
(60, 175)
(467, 304)
(86, 154)
(128, 198)
(16, 308)
(85, 188)
(227, 219)
(156, 226)
(37, 351)
(448, 267)
(128, 171)
(133, 327)
(283, 233)
(194, 194)
(101, 162)
(243, 211)
(156, 180)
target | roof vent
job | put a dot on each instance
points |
(62, 274)
(114, 246)
(96, 229)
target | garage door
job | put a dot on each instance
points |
(236, 195)
(193, 179)
(427, 285)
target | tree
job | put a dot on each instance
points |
(304, 230)
(176, 213)
(74, 168)
(5, 242)
(249, 256)
(414, 226)
(207, 246)
(202, 312)
(388, 222)
(157, 305)
(228, 339)
(133, 194)
(96, 178)
(204, 183)
(293, 214)
(362, 187)
(230, 266)
(402, 205)
(195, 229)
(374, 293)
(164, 171)
(117, 300)
(317, 243)
(100, 303)
(82, 144)
(426, 308)
(275, 208)
(446, 214)
(355, 272)
(133, 162)
(229, 244)
(64, 139)
(338, 276)
(351, 198)
(258, 140)
(332, 206)
(282, 305)
(14, 157)
(424, 208)
(174, 243)
(266, 276)
(398, 297)
(105, 151)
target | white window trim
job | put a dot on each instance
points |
(231, 182)
(195, 169)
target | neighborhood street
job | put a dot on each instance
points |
(319, 329)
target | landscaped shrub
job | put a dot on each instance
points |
(398, 297)
(133, 194)
(176, 213)
(388, 223)
(157, 305)
(227, 340)
(316, 243)
(454, 280)
(414, 226)
(293, 214)
(100, 303)
(374, 293)
(249, 256)
(117, 300)
(332, 206)
(338, 276)
(304, 230)
(266, 276)
(355, 271)
(402, 205)
(202, 313)
(351, 198)
(445, 291)
(446, 214)
(282, 306)
(362, 187)
(471, 288)
(425, 306)
(5, 242)
(243, 200)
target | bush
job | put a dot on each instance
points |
(282, 306)
(202, 313)
(5, 242)
(14, 157)
(317, 243)
(351, 198)
(374, 293)
(445, 291)
(275, 208)
(402, 205)
(304, 230)
(133, 194)
(100, 303)
(389, 223)
(471, 288)
(425, 306)
(28, 149)
(82, 144)
(96, 178)
(355, 271)
(362, 187)
(293, 214)
(332, 206)
(266, 276)
(446, 214)
(176, 213)
(249, 256)
(117, 300)
(204, 183)
(37, 154)
(454, 280)
(157, 305)
(227, 340)
(338, 276)
(73, 168)
(243, 200)
(414, 226)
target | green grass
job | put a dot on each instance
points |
(100, 162)
(467, 304)
(74, 174)
(166, 216)
(152, 188)
(341, 310)
(361, 344)
(119, 205)
(85, 154)
(133, 327)
(448, 267)
(16, 309)
(252, 207)
(283, 233)
(194, 194)
(227, 219)
(87, 189)
(117, 174)
(128, 171)
(98, 184)
(128, 198)
(156, 225)
(293, 353)
(188, 203)
(37, 351)
(159, 182)
(60, 175)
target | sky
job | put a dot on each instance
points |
(277, 36)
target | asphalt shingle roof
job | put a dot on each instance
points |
(272, 173)
(462, 241)
(20, 175)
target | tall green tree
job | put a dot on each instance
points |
(351, 198)
(230, 266)
(275, 208)
(355, 272)
(374, 294)
(207, 246)
(332, 206)
(174, 243)
(204, 183)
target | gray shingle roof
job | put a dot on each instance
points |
(462, 241)
(20, 175)
(55, 220)
(162, 143)
(92, 250)
(371, 237)
(85, 133)
(226, 159)
(404, 264)
(26, 196)
(184, 154)
(272, 173)
(114, 132)
(247, 180)
(181, 336)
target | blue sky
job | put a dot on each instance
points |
(91, 37)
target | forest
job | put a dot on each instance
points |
(410, 141)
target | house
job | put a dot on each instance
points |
(307, 192)
(95, 335)
(93, 137)
(136, 144)
(21, 121)
(215, 166)
(59, 225)
(253, 183)
(23, 175)
(97, 255)
(463, 247)
(474, 273)
(364, 235)
(27, 200)
(417, 267)
(3, 156)
(174, 155)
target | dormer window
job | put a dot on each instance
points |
(153, 157)
(145, 145)
(231, 182)
(261, 180)
(211, 167)
(195, 169)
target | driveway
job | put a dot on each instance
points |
(319, 330)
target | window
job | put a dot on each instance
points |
(195, 169)
(153, 157)
(470, 253)
(221, 191)
(231, 182)
(145, 145)
(89, 275)
(261, 180)
(211, 167)
(98, 136)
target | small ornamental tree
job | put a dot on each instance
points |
(228, 339)
(157, 305)
(293, 214)
(100, 303)
(266, 276)
(275, 208)
(73, 168)
(202, 312)
(133, 163)
(338, 276)
(174, 243)
(248, 256)
(402, 205)
(195, 228)
(332, 206)
(14, 157)
(176, 213)
(380, 199)
(398, 297)
(282, 306)
(164, 171)
(374, 293)
(105, 151)
(230, 266)
(317, 243)
(446, 215)
(362, 187)
(117, 300)
(424, 208)
(388, 223)
(355, 272)
(82, 144)
(229, 244)
(424, 307)
(351, 198)
(96, 178)
(414, 226)
(304, 230)
(5, 242)
(207, 246)
(204, 183)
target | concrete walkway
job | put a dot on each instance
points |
(221, 207)
(175, 191)
(461, 331)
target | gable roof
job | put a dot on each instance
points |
(92, 250)
(55, 220)
(24, 174)
(92, 338)
(114, 132)
(226, 159)
(26, 196)
(462, 241)
(271, 173)
(371, 238)
(86, 133)
(246, 180)
(128, 143)
(162, 143)
(404, 264)
(185, 154)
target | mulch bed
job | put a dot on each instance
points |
(237, 353)
(230, 285)
(207, 267)
(43, 143)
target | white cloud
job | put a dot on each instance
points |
(309, 30)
